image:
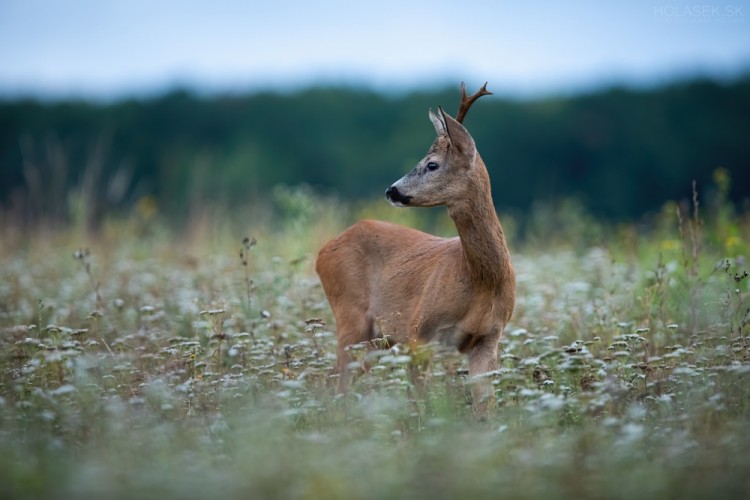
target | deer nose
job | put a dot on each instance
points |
(394, 196)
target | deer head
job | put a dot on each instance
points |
(445, 174)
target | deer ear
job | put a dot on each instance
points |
(438, 123)
(459, 136)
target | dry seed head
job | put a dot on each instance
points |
(316, 321)
(212, 312)
(81, 253)
(249, 243)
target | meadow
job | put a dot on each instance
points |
(148, 362)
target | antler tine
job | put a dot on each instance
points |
(467, 101)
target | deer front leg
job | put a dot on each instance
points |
(482, 359)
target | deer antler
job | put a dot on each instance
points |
(467, 101)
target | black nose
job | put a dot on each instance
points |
(395, 196)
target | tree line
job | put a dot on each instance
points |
(621, 152)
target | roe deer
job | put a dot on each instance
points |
(383, 279)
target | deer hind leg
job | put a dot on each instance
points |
(352, 327)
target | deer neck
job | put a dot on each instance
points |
(482, 238)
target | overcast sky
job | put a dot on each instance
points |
(109, 48)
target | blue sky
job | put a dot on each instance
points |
(110, 48)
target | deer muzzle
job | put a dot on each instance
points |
(395, 197)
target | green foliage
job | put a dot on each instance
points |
(620, 152)
(151, 363)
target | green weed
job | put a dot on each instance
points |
(158, 365)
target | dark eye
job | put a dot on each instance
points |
(432, 166)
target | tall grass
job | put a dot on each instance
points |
(148, 363)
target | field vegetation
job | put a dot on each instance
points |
(145, 362)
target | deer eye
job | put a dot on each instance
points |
(432, 166)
